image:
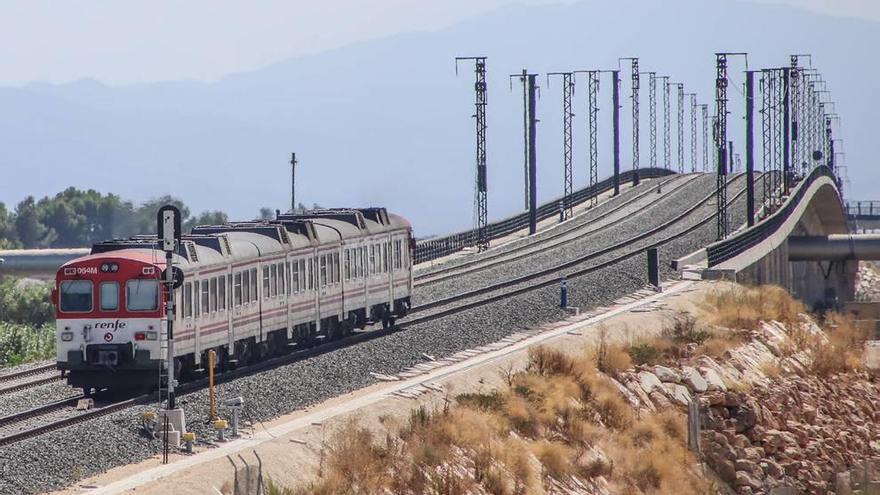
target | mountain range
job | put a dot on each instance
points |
(388, 122)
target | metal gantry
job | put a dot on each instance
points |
(593, 113)
(667, 152)
(481, 213)
(567, 94)
(635, 77)
(766, 141)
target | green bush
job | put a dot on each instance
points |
(644, 353)
(25, 303)
(24, 343)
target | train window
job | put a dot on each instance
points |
(76, 296)
(236, 289)
(109, 296)
(337, 267)
(362, 264)
(302, 275)
(246, 286)
(221, 293)
(142, 295)
(273, 281)
(187, 300)
(206, 296)
(323, 270)
(347, 265)
(294, 277)
(284, 269)
(254, 284)
(213, 298)
(372, 259)
(265, 282)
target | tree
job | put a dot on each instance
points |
(216, 217)
(29, 229)
(145, 215)
(267, 213)
(8, 238)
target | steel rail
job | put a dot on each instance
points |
(31, 372)
(361, 337)
(572, 263)
(31, 384)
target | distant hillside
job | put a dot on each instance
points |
(387, 122)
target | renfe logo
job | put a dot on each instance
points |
(110, 325)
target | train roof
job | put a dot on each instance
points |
(215, 244)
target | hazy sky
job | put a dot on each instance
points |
(132, 41)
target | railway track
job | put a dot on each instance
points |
(550, 276)
(447, 306)
(557, 237)
(21, 375)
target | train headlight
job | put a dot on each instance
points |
(146, 336)
(152, 335)
(66, 336)
(109, 267)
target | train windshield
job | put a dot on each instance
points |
(142, 295)
(76, 296)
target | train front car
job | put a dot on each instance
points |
(109, 309)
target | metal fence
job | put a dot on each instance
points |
(726, 249)
(863, 209)
(430, 249)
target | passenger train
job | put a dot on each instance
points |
(249, 290)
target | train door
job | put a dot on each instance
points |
(230, 310)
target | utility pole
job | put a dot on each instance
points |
(750, 148)
(567, 93)
(721, 143)
(693, 97)
(635, 115)
(481, 214)
(680, 121)
(530, 88)
(652, 116)
(615, 98)
(293, 182)
(786, 129)
(705, 109)
(593, 111)
(667, 153)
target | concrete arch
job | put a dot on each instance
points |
(819, 212)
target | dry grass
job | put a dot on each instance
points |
(543, 425)
(842, 351)
(741, 307)
(611, 359)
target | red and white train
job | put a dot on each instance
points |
(250, 290)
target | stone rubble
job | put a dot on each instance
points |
(786, 433)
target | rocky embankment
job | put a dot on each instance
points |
(868, 282)
(774, 414)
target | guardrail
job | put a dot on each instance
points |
(430, 249)
(726, 249)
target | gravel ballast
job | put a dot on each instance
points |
(59, 458)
